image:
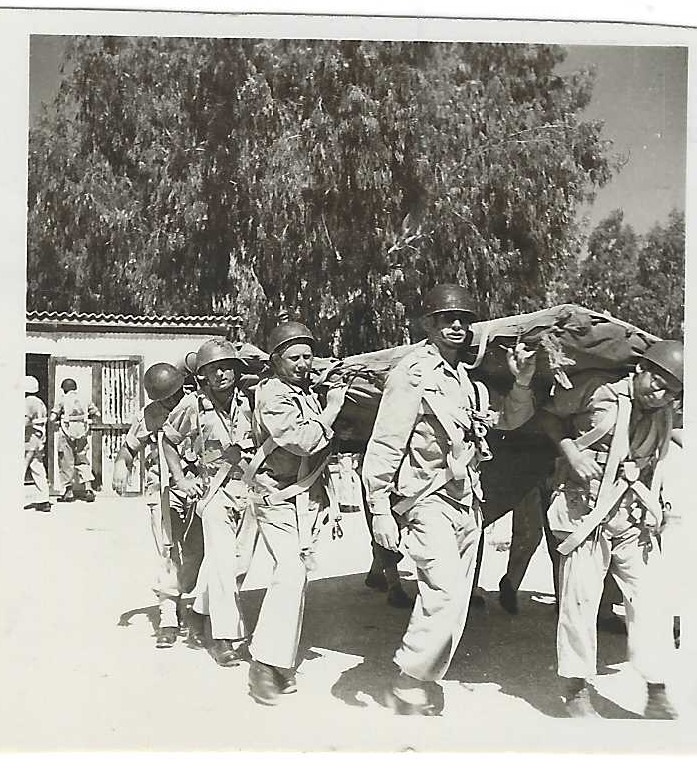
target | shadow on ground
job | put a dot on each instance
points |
(515, 652)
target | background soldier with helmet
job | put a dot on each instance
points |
(216, 420)
(293, 434)
(35, 418)
(176, 531)
(607, 510)
(74, 417)
(421, 462)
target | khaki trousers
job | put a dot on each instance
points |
(217, 588)
(37, 472)
(442, 539)
(289, 535)
(178, 565)
(633, 557)
(73, 463)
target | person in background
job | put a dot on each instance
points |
(175, 528)
(35, 417)
(74, 418)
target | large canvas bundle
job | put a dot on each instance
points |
(568, 338)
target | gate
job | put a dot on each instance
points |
(114, 385)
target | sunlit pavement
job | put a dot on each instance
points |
(80, 670)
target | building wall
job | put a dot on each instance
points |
(152, 347)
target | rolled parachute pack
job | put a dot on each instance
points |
(568, 338)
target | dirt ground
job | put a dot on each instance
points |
(80, 671)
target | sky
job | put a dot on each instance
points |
(640, 94)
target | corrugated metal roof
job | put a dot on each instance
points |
(38, 316)
(105, 323)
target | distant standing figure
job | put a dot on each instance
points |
(74, 419)
(35, 416)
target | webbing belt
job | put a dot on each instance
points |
(164, 493)
(304, 483)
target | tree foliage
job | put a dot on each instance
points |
(331, 180)
(638, 279)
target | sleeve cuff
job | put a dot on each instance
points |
(380, 505)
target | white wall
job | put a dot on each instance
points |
(152, 347)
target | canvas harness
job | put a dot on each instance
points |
(620, 473)
(459, 456)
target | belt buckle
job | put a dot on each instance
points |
(630, 471)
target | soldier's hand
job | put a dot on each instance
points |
(386, 532)
(582, 462)
(522, 363)
(335, 397)
(119, 480)
(190, 487)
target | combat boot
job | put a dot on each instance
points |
(262, 683)
(89, 496)
(657, 704)
(376, 580)
(397, 597)
(577, 699)
(285, 680)
(508, 595)
(197, 636)
(409, 696)
(67, 496)
(224, 653)
(166, 637)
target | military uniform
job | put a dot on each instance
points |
(627, 502)
(421, 460)
(74, 419)
(287, 423)
(35, 417)
(179, 543)
(218, 436)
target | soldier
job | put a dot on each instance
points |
(607, 511)
(217, 421)
(176, 531)
(74, 419)
(293, 435)
(35, 416)
(421, 462)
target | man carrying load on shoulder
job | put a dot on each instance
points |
(216, 420)
(422, 463)
(293, 433)
(176, 530)
(607, 509)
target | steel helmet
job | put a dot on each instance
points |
(31, 384)
(162, 380)
(446, 297)
(668, 355)
(287, 333)
(68, 385)
(216, 349)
